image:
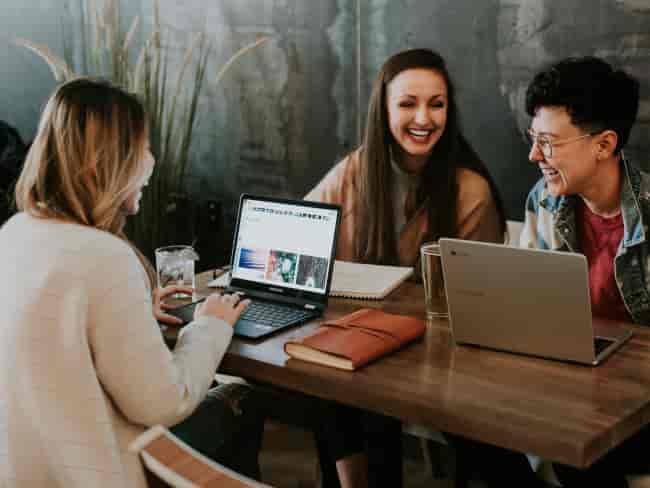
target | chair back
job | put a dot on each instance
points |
(513, 232)
(170, 462)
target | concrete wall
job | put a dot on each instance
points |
(25, 80)
(287, 111)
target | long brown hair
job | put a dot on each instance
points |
(87, 158)
(437, 186)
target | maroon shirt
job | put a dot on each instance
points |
(599, 238)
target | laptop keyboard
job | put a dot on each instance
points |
(274, 315)
(600, 344)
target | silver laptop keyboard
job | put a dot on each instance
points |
(275, 315)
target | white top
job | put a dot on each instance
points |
(83, 365)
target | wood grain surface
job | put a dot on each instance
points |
(563, 412)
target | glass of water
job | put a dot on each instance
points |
(175, 266)
(433, 281)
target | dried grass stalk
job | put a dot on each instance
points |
(130, 34)
(58, 66)
(224, 69)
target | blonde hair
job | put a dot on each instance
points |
(87, 158)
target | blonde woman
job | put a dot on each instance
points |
(83, 365)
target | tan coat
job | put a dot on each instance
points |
(478, 218)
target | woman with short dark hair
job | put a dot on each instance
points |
(592, 200)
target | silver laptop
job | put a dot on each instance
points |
(526, 301)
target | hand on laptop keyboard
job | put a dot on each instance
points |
(225, 307)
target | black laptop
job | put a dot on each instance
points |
(282, 259)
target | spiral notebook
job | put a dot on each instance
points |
(366, 281)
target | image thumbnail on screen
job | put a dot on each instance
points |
(281, 267)
(252, 262)
(312, 271)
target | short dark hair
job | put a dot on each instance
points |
(596, 96)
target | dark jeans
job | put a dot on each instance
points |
(631, 457)
(343, 431)
(227, 427)
(340, 431)
(500, 467)
(495, 466)
(309, 413)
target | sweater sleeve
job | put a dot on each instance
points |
(147, 382)
(478, 218)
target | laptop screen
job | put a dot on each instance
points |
(283, 243)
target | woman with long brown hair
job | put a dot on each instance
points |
(414, 179)
(84, 368)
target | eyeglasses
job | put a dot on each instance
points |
(546, 145)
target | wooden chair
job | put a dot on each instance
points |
(170, 462)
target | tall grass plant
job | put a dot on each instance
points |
(108, 47)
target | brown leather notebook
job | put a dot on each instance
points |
(356, 339)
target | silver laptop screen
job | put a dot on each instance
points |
(284, 244)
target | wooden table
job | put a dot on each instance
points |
(562, 412)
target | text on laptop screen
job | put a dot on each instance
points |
(284, 244)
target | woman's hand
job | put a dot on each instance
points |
(159, 294)
(225, 307)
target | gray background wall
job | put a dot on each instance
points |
(288, 110)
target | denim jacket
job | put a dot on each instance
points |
(550, 224)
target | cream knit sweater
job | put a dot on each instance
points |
(83, 366)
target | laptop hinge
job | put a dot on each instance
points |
(296, 302)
